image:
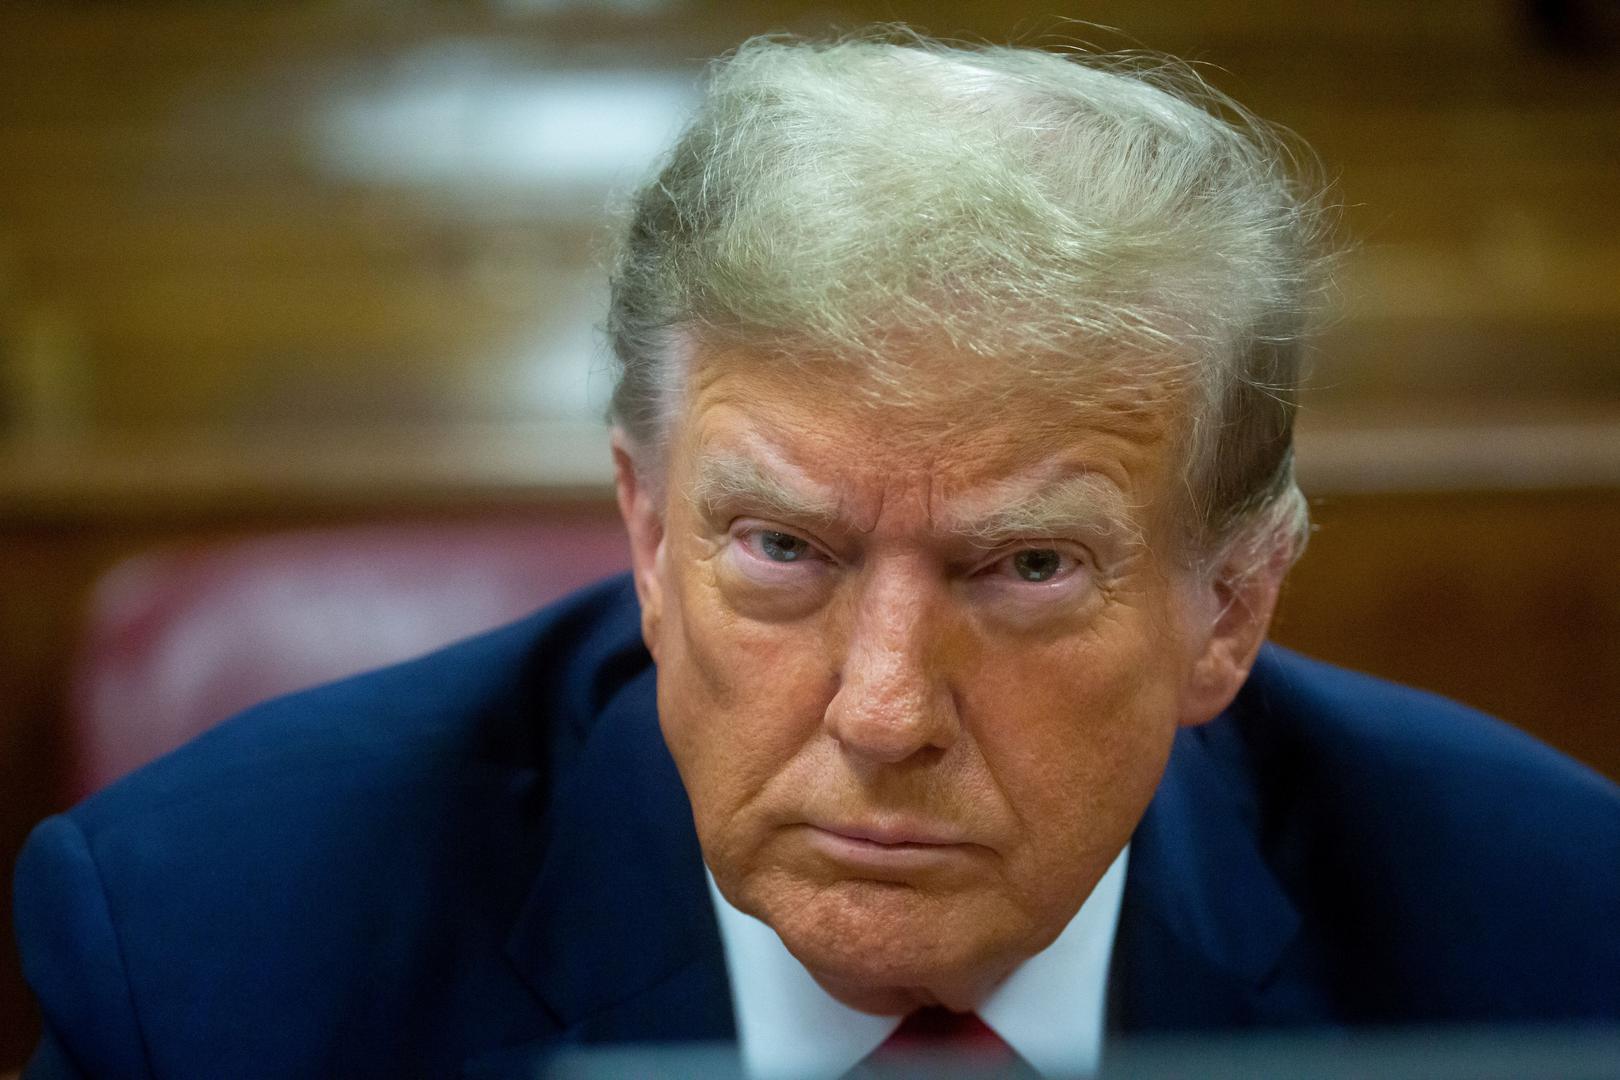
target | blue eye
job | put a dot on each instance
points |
(1037, 564)
(782, 547)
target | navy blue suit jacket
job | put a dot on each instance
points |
(452, 866)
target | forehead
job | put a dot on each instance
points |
(934, 427)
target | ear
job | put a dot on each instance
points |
(1232, 614)
(643, 513)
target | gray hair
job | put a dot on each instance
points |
(1066, 210)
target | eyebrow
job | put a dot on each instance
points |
(1086, 504)
(727, 481)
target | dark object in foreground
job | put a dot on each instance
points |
(1550, 1053)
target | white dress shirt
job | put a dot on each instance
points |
(1049, 1010)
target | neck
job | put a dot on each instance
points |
(956, 995)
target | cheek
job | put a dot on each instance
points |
(1076, 733)
(738, 701)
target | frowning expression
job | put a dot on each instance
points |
(920, 667)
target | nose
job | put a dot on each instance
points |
(893, 700)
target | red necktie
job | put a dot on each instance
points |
(937, 1031)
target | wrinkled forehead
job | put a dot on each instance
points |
(916, 397)
(804, 434)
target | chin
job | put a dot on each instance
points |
(876, 936)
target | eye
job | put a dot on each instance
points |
(781, 546)
(1037, 564)
(775, 551)
(771, 574)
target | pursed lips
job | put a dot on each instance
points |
(893, 833)
(890, 847)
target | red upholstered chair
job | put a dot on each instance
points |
(181, 639)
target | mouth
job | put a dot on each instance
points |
(895, 833)
(889, 847)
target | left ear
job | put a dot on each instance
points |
(643, 516)
(1232, 614)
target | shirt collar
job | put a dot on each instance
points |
(1049, 1010)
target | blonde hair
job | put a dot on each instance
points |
(1057, 210)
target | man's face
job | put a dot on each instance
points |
(920, 667)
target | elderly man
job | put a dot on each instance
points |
(953, 437)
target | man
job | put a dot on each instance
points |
(953, 440)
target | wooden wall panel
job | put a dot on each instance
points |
(179, 249)
(1508, 602)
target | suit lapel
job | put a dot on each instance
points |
(618, 937)
(1205, 925)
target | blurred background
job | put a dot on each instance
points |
(296, 278)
